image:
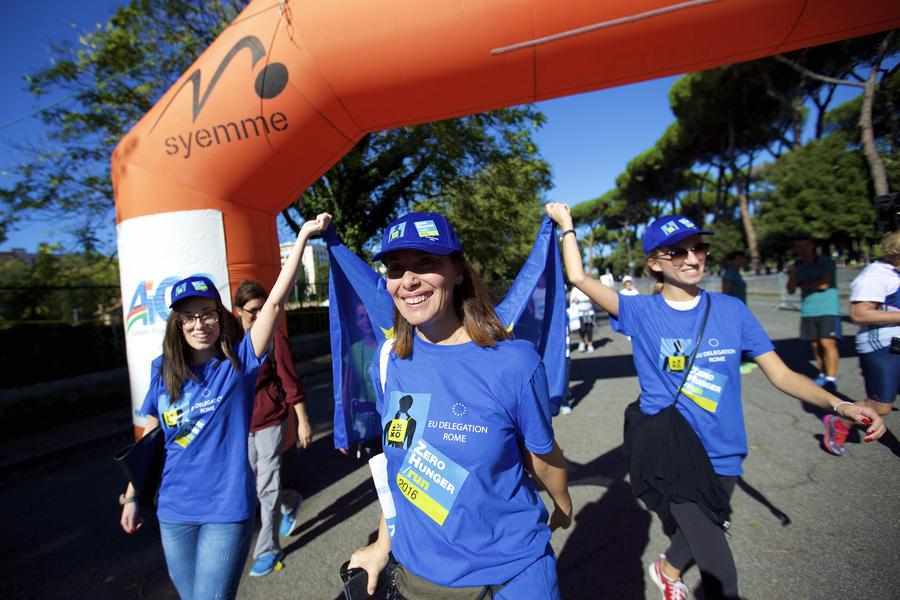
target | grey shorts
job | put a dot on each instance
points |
(820, 328)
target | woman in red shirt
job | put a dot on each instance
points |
(278, 388)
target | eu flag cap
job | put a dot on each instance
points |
(669, 230)
(195, 286)
(428, 232)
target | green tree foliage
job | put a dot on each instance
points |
(116, 72)
(821, 188)
(657, 175)
(590, 222)
(111, 77)
(885, 123)
(841, 62)
(728, 117)
(496, 213)
(726, 114)
(837, 64)
(728, 237)
(698, 203)
(626, 256)
(57, 287)
(387, 171)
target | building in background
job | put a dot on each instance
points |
(313, 282)
(18, 254)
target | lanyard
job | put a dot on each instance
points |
(690, 363)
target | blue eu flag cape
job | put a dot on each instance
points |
(361, 319)
(534, 309)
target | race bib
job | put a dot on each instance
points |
(676, 363)
(171, 416)
(397, 430)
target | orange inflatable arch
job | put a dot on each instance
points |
(290, 86)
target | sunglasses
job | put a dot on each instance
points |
(678, 254)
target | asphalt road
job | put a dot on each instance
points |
(806, 524)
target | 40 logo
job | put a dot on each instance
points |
(148, 303)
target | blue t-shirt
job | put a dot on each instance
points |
(207, 476)
(818, 303)
(738, 287)
(452, 419)
(663, 338)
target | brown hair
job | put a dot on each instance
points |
(249, 290)
(175, 369)
(474, 306)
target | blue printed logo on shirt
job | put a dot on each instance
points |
(704, 387)
(405, 412)
(430, 480)
(673, 353)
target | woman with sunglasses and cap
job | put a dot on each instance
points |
(201, 393)
(465, 413)
(686, 440)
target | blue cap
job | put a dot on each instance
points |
(669, 230)
(428, 232)
(194, 286)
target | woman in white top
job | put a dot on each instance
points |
(585, 309)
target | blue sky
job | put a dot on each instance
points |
(588, 139)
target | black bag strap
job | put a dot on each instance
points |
(690, 363)
(282, 396)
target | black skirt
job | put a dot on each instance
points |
(668, 463)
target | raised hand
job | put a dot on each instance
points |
(560, 214)
(317, 225)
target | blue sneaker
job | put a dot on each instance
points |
(830, 386)
(265, 564)
(819, 380)
(289, 520)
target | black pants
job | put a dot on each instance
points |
(696, 539)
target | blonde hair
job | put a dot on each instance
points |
(890, 246)
(657, 275)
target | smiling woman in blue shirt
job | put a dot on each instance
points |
(687, 346)
(465, 415)
(201, 393)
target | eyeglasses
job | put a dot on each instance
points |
(250, 311)
(678, 254)
(187, 320)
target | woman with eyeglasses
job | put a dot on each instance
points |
(201, 393)
(685, 437)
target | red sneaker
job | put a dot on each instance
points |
(670, 589)
(835, 434)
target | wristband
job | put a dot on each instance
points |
(835, 407)
(572, 231)
(123, 499)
